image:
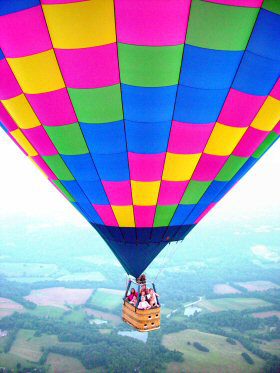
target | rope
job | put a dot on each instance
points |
(167, 256)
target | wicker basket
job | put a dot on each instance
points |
(142, 320)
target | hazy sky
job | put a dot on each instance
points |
(25, 191)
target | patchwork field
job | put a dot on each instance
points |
(64, 364)
(263, 315)
(28, 347)
(225, 289)
(8, 307)
(114, 319)
(238, 304)
(10, 361)
(222, 356)
(258, 285)
(47, 311)
(107, 298)
(272, 347)
(59, 296)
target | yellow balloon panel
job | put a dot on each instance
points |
(145, 193)
(124, 215)
(268, 116)
(81, 25)
(224, 139)
(38, 73)
(23, 142)
(179, 167)
(21, 111)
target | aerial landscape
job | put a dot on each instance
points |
(60, 308)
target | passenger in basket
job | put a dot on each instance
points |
(153, 298)
(143, 305)
(132, 298)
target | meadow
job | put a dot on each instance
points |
(222, 356)
(238, 304)
(107, 298)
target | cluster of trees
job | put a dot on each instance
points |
(200, 347)
(247, 358)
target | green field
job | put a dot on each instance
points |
(74, 316)
(238, 304)
(83, 276)
(10, 361)
(64, 364)
(222, 357)
(29, 347)
(23, 270)
(273, 347)
(106, 298)
(47, 311)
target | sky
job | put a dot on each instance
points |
(26, 193)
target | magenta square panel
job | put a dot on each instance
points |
(250, 142)
(171, 192)
(44, 167)
(275, 93)
(187, 138)
(205, 212)
(106, 214)
(24, 33)
(6, 119)
(208, 167)
(146, 167)
(89, 67)
(240, 108)
(118, 192)
(277, 128)
(39, 138)
(144, 215)
(142, 22)
(9, 86)
(53, 108)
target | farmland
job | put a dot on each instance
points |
(106, 298)
(258, 285)
(7, 307)
(238, 304)
(225, 289)
(59, 297)
(222, 356)
(64, 364)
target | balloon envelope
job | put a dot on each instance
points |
(143, 114)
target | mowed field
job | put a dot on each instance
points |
(28, 347)
(59, 296)
(114, 319)
(224, 304)
(224, 289)
(8, 307)
(107, 298)
(273, 347)
(222, 356)
(263, 315)
(258, 285)
(64, 364)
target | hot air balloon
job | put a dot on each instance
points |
(143, 114)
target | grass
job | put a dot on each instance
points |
(47, 311)
(273, 347)
(64, 364)
(83, 276)
(10, 361)
(106, 298)
(28, 270)
(28, 347)
(74, 316)
(222, 356)
(114, 319)
(238, 304)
